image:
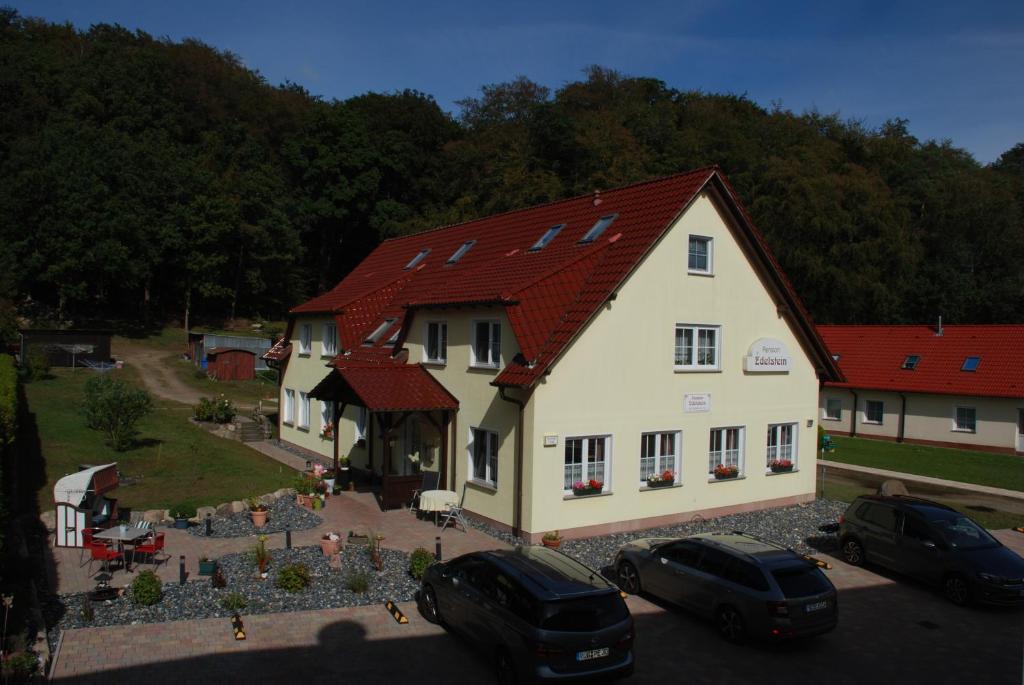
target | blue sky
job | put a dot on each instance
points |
(954, 69)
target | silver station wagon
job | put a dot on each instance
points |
(749, 587)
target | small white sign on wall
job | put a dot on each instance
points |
(767, 355)
(550, 440)
(697, 402)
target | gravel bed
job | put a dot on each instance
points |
(199, 599)
(283, 513)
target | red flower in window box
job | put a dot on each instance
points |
(780, 465)
(722, 471)
(590, 487)
(662, 480)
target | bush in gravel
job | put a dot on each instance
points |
(217, 410)
(358, 582)
(88, 613)
(218, 580)
(147, 588)
(234, 601)
(419, 560)
(293, 578)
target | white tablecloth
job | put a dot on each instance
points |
(438, 500)
(123, 535)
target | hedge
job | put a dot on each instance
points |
(8, 399)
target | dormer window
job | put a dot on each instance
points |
(548, 236)
(910, 363)
(603, 223)
(418, 258)
(463, 249)
(379, 331)
(971, 364)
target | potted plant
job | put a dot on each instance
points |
(330, 544)
(590, 487)
(181, 513)
(304, 487)
(724, 471)
(207, 566)
(552, 539)
(261, 555)
(661, 480)
(258, 512)
(330, 478)
(781, 465)
(327, 433)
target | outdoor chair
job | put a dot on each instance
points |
(429, 482)
(87, 541)
(100, 552)
(455, 514)
(152, 546)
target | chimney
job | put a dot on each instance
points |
(597, 197)
(938, 331)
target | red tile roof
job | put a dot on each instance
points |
(871, 358)
(549, 294)
(281, 349)
(387, 386)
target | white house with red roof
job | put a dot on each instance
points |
(951, 386)
(614, 337)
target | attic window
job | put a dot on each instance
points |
(910, 363)
(463, 249)
(548, 236)
(971, 364)
(418, 258)
(599, 228)
(379, 331)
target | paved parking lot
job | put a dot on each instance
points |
(890, 630)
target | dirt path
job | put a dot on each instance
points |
(158, 378)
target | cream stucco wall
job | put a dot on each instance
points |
(617, 378)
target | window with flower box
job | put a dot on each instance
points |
(780, 452)
(659, 455)
(725, 450)
(587, 459)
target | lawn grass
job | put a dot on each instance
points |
(242, 393)
(966, 466)
(175, 462)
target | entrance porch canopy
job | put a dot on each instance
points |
(386, 390)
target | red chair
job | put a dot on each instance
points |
(87, 534)
(151, 547)
(100, 552)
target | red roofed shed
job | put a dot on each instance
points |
(231, 364)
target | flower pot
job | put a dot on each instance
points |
(660, 483)
(330, 484)
(259, 518)
(304, 500)
(583, 492)
(207, 567)
(181, 523)
(781, 469)
(726, 476)
(554, 544)
(330, 547)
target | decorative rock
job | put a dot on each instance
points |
(156, 516)
(201, 512)
(224, 509)
(238, 507)
(285, 492)
(281, 513)
(268, 499)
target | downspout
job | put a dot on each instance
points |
(853, 415)
(517, 490)
(903, 418)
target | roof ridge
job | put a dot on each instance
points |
(692, 172)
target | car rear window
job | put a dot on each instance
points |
(584, 614)
(801, 581)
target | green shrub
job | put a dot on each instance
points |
(217, 579)
(147, 588)
(293, 578)
(114, 408)
(20, 667)
(217, 410)
(419, 560)
(8, 400)
(358, 582)
(267, 376)
(184, 510)
(36, 365)
(234, 601)
(88, 613)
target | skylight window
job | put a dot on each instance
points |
(599, 228)
(418, 258)
(463, 249)
(548, 236)
(971, 364)
(910, 363)
(379, 331)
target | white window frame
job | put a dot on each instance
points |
(329, 344)
(303, 410)
(362, 418)
(488, 439)
(306, 338)
(696, 330)
(781, 450)
(957, 427)
(289, 407)
(326, 414)
(585, 462)
(825, 412)
(881, 418)
(710, 242)
(493, 345)
(721, 456)
(441, 343)
(660, 462)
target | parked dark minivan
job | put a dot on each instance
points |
(538, 614)
(935, 543)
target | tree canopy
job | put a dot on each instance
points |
(146, 178)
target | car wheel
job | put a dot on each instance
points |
(629, 578)
(956, 589)
(853, 552)
(730, 624)
(428, 605)
(504, 669)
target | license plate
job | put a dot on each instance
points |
(817, 606)
(592, 654)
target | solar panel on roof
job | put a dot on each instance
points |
(463, 249)
(598, 228)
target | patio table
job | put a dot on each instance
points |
(123, 535)
(437, 501)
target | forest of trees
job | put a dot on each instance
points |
(144, 177)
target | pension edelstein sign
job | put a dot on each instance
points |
(767, 355)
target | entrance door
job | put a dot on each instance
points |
(1020, 430)
(405, 460)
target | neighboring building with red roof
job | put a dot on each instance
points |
(952, 386)
(608, 337)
